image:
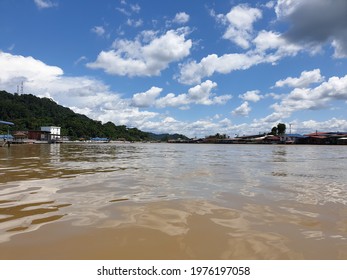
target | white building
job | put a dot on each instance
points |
(53, 130)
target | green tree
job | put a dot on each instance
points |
(281, 128)
(274, 130)
(29, 112)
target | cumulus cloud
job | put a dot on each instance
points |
(312, 23)
(181, 18)
(146, 99)
(252, 95)
(243, 110)
(313, 98)
(240, 21)
(262, 47)
(306, 78)
(200, 94)
(269, 47)
(284, 8)
(140, 58)
(316, 22)
(192, 72)
(28, 69)
(273, 46)
(82, 94)
(172, 100)
(197, 128)
(333, 124)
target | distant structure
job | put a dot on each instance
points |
(20, 88)
(54, 133)
(6, 138)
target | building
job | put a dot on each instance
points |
(54, 133)
(8, 124)
(47, 134)
(326, 138)
(293, 139)
(38, 136)
(20, 137)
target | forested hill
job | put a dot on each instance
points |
(29, 112)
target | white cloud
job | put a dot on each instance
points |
(272, 119)
(263, 47)
(82, 94)
(313, 98)
(333, 124)
(146, 99)
(252, 95)
(14, 67)
(135, 58)
(270, 4)
(44, 4)
(172, 100)
(240, 21)
(192, 72)
(134, 23)
(269, 47)
(199, 94)
(198, 128)
(124, 11)
(181, 18)
(306, 78)
(128, 10)
(242, 110)
(98, 30)
(286, 7)
(274, 46)
(135, 8)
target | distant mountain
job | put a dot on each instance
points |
(29, 112)
(165, 136)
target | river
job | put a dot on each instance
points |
(173, 201)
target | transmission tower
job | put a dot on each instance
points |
(21, 87)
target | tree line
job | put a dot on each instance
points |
(29, 112)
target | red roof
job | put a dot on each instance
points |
(316, 134)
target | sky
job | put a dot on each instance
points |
(194, 67)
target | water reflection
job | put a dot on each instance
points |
(250, 201)
(279, 154)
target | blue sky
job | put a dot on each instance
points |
(193, 67)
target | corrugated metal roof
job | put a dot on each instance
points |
(6, 136)
(8, 123)
(296, 135)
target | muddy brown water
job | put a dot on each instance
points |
(173, 201)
